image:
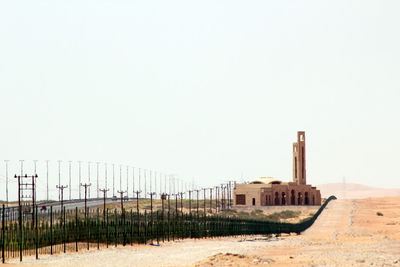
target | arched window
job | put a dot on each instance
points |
(276, 198)
(293, 198)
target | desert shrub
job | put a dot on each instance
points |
(379, 213)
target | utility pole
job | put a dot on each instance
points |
(61, 190)
(86, 186)
(104, 197)
(137, 200)
(21, 196)
(121, 193)
(151, 201)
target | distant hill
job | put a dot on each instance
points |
(355, 191)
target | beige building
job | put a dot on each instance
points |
(267, 191)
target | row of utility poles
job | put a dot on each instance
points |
(223, 197)
(162, 182)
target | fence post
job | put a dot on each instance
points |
(168, 225)
(145, 226)
(123, 228)
(36, 234)
(2, 234)
(97, 230)
(131, 228)
(20, 232)
(76, 229)
(107, 229)
(51, 230)
(64, 230)
(157, 229)
(138, 227)
(87, 227)
(115, 227)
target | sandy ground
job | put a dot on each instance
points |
(347, 233)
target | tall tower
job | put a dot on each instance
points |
(299, 159)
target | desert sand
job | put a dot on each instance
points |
(347, 233)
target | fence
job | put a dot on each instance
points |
(71, 230)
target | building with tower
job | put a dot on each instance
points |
(268, 191)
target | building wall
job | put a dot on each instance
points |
(277, 194)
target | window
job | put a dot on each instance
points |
(240, 199)
(254, 201)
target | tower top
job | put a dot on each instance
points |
(299, 159)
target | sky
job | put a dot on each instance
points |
(209, 91)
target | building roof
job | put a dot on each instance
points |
(266, 180)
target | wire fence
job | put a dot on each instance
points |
(73, 230)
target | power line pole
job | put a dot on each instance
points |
(151, 201)
(122, 200)
(137, 200)
(61, 190)
(104, 197)
(86, 187)
(145, 183)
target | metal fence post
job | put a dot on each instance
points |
(107, 229)
(2, 234)
(64, 230)
(51, 230)
(76, 229)
(97, 230)
(36, 233)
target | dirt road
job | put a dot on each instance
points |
(347, 233)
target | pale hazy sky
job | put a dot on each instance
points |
(209, 90)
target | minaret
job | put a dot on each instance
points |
(299, 159)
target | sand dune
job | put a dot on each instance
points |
(355, 191)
